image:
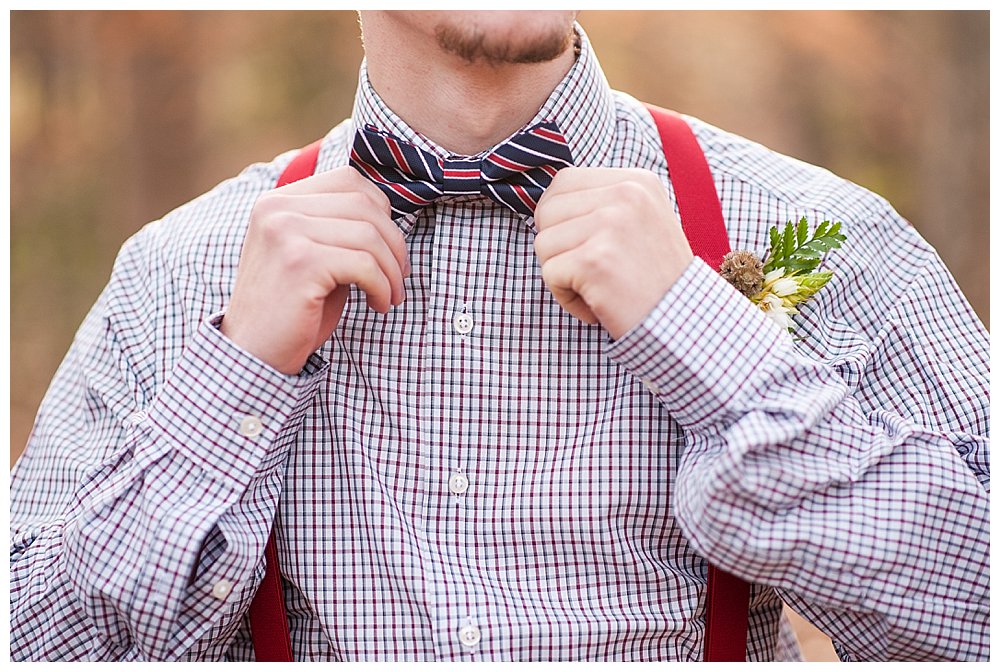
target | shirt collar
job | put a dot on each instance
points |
(582, 105)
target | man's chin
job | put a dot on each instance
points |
(521, 42)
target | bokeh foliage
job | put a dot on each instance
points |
(117, 117)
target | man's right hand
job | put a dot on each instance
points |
(307, 242)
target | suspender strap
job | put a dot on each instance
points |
(701, 212)
(269, 630)
(727, 608)
(302, 166)
(728, 599)
(268, 620)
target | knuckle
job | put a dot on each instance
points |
(560, 201)
(268, 230)
(643, 176)
(294, 253)
(342, 179)
(368, 263)
(266, 205)
(656, 190)
(597, 304)
(562, 178)
(550, 275)
(557, 180)
(361, 185)
(631, 192)
(354, 176)
(271, 217)
(278, 226)
(597, 256)
(369, 202)
(369, 235)
(590, 258)
(617, 215)
(355, 200)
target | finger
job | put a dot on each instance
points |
(561, 277)
(574, 178)
(621, 185)
(356, 206)
(356, 235)
(564, 236)
(342, 179)
(561, 207)
(358, 267)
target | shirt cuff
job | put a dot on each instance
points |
(702, 347)
(225, 410)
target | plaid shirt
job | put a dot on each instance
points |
(511, 484)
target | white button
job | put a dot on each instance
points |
(651, 386)
(251, 426)
(469, 635)
(458, 483)
(463, 323)
(222, 589)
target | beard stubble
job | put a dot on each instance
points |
(474, 45)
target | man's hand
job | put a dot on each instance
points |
(609, 244)
(307, 242)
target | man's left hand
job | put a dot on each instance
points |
(609, 244)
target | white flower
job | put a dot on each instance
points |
(771, 276)
(776, 282)
(785, 286)
(775, 308)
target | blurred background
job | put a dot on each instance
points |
(118, 117)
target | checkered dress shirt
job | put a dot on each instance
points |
(846, 472)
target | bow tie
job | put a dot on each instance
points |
(514, 174)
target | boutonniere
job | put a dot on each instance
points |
(789, 273)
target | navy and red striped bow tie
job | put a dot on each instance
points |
(514, 174)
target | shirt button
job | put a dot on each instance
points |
(458, 483)
(251, 426)
(651, 386)
(469, 635)
(463, 323)
(222, 589)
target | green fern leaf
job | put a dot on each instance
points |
(802, 232)
(793, 249)
(789, 241)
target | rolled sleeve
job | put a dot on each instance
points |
(702, 348)
(870, 520)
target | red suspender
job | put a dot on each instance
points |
(701, 212)
(728, 599)
(302, 166)
(268, 620)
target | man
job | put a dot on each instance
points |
(485, 434)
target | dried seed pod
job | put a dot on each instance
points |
(744, 271)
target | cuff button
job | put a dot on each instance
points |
(251, 426)
(222, 589)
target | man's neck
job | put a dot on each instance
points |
(462, 107)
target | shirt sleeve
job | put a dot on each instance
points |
(140, 510)
(849, 469)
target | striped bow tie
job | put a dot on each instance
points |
(514, 174)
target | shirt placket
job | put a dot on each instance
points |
(450, 387)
